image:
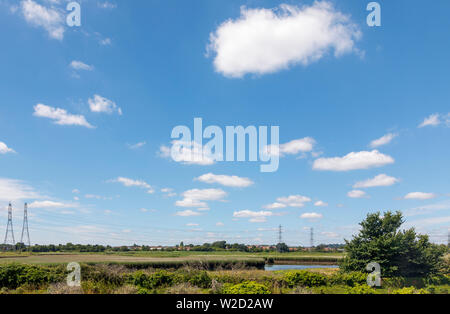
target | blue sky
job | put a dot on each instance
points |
(85, 111)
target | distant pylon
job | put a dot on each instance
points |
(312, 238)
(9, 227)
(280, 232)
(25, 225)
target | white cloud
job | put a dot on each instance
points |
(79, 65)
(51, 19)
(264, 41)
(137, 145)
(220, 224)
(102, 104)
(419, 196)
(255, 216)
(320, 204)
(4, 149)
(427, 209)
(386, 139)
(432, 120)
(289, 201)
(231, 181)
(15, 190)
(134, 183)
(197, 198)
(105, 41)
(379, 180)
(294, 147)
(187, 213)
(190, 153)
(192, 225)
(107, 5)
(356, 194)
(330, 234)
(50, 205)
(275, 205)
(294, 200)
(60, 116)
(311, 216)
(353, 161)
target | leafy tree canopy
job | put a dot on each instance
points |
(399, 252)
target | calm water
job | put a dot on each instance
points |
(292, 267)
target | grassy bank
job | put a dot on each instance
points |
(123, 279)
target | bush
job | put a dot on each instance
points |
(304, 278)
(13, 276)
(247, 287)
(361, 289)
(351, 279)
(152, 281)
(410, 290)
(200, 279)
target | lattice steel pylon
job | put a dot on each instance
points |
(25, 225)
(9, 227)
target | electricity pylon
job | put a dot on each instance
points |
(25, 226)
(9, 226)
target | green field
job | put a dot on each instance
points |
(178, 257)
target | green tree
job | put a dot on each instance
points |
(399, 252)
(282, 248)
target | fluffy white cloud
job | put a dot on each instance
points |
(263, 40)
(320, 204)
(134, 183)
(14, 190)
(190, 153)
(432, 120)
(231, 181)
(51, 19)
(289, 201)
(60, 116)
(255, 216)
(356, 194)
(379, 180)
(275, 205)
(187, 213)
(419, 196)
(197, 198)
(294, 147)
(311, 216)
(220, 224)
(79, 65)
(353, 161)
(102, 104)
(386, 139)
(4, 149)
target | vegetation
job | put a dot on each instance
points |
(399, 252)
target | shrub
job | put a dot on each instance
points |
(410, 290)
(304, 278)
(152, 281)
(13, 276)
(361, 289)
(200, 279)
(349, 279)
(247, 287)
